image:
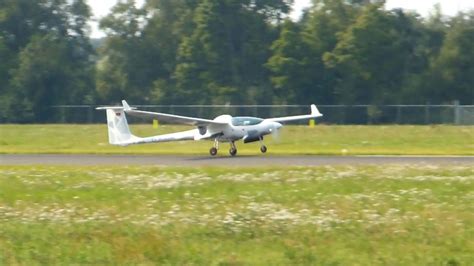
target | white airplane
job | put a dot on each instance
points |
(223, 128)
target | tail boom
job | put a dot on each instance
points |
(120, 135)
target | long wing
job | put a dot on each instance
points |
(186, 120)
(314, 113)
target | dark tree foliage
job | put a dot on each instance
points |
(451, 72)
(45, 58)
(229, 51)
(222, 60)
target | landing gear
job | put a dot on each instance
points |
(213, 150)
(263, 148)
(233, 149)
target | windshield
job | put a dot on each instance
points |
(246, 121)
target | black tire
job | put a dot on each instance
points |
(233, 151)
(263, 149)
(213, 151)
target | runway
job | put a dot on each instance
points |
(238, 161)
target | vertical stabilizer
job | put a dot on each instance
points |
(119, 132)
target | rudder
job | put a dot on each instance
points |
(119, 132)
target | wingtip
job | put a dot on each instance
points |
(125, 104)
(315, 111)
(127, 107)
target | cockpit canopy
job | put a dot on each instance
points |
(245, 121)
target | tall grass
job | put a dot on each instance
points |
(392, 214)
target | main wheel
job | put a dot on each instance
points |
(263, 149)
(213, 151)
(232, 151)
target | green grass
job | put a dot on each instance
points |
(322, 139)
(344, 215)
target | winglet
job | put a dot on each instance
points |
(127, 107)
(315, 111)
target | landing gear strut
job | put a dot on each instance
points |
(233, 149)
(263, 148)
(213, 150)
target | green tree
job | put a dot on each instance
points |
(48, 55)
(289, 65)
(427, 36)
(298, 71)
(224, 56)
(171, 22)
(139, 56)
(451, 75)
(208, 61)
(372, 57)
(119, 71)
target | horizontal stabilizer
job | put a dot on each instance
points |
(110, 108)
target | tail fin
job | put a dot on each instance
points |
(119, 132)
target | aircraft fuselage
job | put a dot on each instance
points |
(247, 128)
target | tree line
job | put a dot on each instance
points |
(229, 52)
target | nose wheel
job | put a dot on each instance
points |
(233, 149)
(263, 148)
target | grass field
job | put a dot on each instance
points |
(329, 140)
(344, 215)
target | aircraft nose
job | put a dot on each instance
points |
(277, 125)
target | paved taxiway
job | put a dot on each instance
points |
(239, 161)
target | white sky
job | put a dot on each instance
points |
(101, 8)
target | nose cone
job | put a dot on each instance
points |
(273, 127)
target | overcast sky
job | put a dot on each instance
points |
(101, 8)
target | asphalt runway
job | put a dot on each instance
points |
(238, 161)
